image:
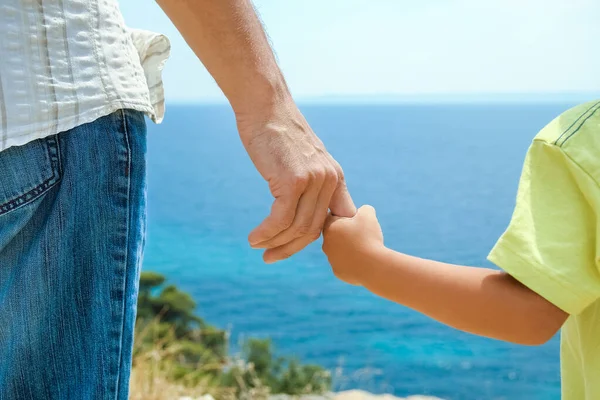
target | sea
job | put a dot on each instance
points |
(443, 178)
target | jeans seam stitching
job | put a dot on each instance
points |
(126, 262)
(42, 187)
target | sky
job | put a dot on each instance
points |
(396, 48)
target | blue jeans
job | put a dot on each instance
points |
(72, 225)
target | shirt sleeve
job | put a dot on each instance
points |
(551, 244)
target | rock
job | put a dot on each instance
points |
(205, 397)
(361, 395)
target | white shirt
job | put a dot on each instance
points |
(64, 63)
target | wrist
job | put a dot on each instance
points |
(260, 98)
(273, 116)
(368, 260)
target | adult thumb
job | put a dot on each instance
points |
(341, 204)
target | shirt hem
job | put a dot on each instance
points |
(34, 132)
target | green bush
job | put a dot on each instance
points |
(198, 351)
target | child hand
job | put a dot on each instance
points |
(348, 242)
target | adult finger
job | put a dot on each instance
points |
(342, 204)
(303, 218)
(288, 249)
(322, 208)
(283, 212)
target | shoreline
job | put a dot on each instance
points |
(351, 395)
(345, 395)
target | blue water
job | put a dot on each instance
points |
(443, 179)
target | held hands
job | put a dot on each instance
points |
(350, 242)
(305, 181)
(303, 178)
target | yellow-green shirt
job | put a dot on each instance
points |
(552, 244)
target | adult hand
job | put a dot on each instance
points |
(303, 178)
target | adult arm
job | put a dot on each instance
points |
(304, 179)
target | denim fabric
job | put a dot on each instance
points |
(72, 225)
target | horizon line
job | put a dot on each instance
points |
(516, 97)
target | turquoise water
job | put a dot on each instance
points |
(443, 179)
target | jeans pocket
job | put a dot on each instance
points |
(27, 172)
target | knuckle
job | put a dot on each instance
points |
(304, 229)
(277, 227)
(300, 180)
(341, 178)
(320, 174)
(331, 176)
(285, 222)
(337, 166)
(339, 172)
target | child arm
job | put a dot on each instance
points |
(476, 300)
(481, 301)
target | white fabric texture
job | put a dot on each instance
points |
(64, 63)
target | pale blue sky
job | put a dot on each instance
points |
(398, 47)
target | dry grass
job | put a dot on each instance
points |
(153, 367)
